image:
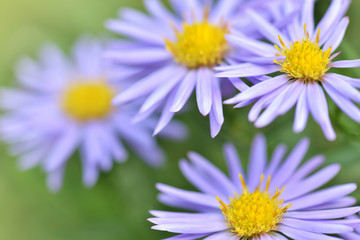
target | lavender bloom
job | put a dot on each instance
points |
(247, 206)
(63, 106)
(303, 53)
(353, 235)
(179, 50)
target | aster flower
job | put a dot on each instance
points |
(353, 235)
(304, 55)
(63, 106)
(278, 199)
(179, 50)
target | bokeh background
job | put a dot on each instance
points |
(117, 207)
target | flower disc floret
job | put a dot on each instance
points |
(251, 214)
(201, 44)
(87, 100)
(304, 60)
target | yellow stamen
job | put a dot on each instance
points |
(282, 42)
(304, 60)
(278, 48)
(251, 214)
(268, 183)
(242, 181)
(318, 37)
(201, 44)
(261, 181)
(87, 100)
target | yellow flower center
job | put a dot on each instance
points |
(251, 214)
(88, 100)
(201, 44)
(304, 60)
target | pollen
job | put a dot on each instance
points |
(250, 215)
(87, 100)
(304, 60)
(201, 44)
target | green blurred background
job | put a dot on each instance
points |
(117, 207)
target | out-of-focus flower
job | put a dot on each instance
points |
(179, 50)
(304, 54)
(62, 106)
(278, 199)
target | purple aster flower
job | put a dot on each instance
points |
(278, 199)
(179, 50)
(63, 106)
(304, 54)
(353, 235)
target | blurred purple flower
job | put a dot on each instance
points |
(287, 204)
(62, 106)
(304, 53)
(179, 50)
